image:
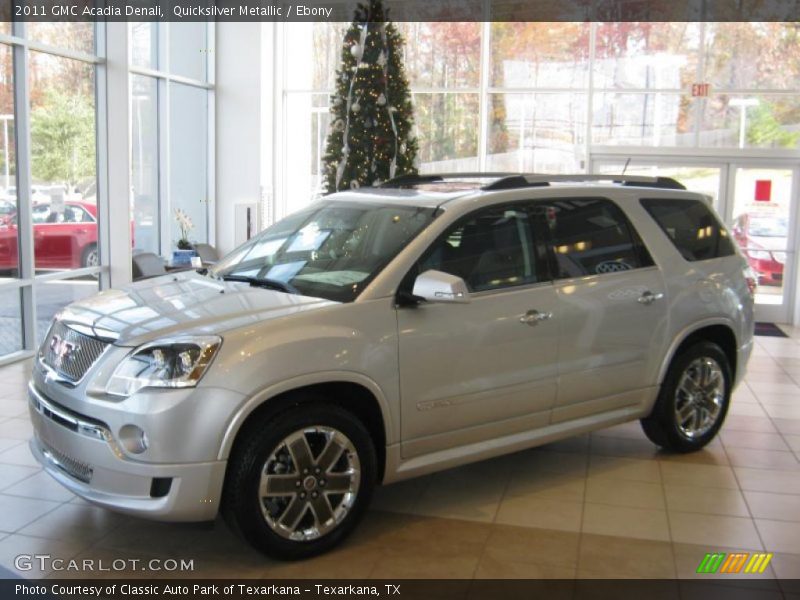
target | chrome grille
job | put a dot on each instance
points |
(69, 353)
(72, 467)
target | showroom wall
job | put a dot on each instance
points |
(544, 96)
(243, 114)
(105, 129)
(172, 71)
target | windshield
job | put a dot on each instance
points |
(769, 227)
(331, 250)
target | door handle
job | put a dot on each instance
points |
(649, 297)
(534, 317)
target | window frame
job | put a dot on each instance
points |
(28, 282)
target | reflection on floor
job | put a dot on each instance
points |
(601, 505)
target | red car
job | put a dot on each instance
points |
(762, 239)
(61, 240)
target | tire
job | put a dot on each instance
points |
(90, 257)
(287, 525)
(693, 400)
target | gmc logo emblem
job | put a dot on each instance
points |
(62, 349)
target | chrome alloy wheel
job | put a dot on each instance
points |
(92, 258)
(699, 397)
(309, 483)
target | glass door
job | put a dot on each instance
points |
(761, 208)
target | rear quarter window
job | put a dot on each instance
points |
(691, 226)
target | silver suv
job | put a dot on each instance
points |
(390, 332)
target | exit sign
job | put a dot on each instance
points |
(700, 90)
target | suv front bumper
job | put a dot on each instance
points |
(82, 455)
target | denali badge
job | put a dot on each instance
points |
(62, 350)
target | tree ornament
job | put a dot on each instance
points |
(356, 50)
(338, 125)
(381, 101)
(382, 59)
(356, 108)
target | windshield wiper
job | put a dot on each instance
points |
(265, 282)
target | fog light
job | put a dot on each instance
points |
(133, 439)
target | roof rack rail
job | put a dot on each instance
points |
(539, 180)
(420, 179)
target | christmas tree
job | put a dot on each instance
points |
(371, 135)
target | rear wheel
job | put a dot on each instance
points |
(693, 400)
(299, 482)
(90, 257)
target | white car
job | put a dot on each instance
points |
(391, 332)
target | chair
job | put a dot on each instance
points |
(207, 253)
(146, 265)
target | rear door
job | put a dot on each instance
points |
(612, 309)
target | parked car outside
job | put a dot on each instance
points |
(61, 240)
(387, 333)
(762, 238)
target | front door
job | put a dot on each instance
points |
(471, 372)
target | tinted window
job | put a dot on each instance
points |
(490, 249)
(591, 237)
(692, 227)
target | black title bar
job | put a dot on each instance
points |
(401, 10)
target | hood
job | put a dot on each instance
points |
(181, 303)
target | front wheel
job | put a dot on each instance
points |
(299, 482)
(693, 400)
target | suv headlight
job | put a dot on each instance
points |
(170, 363)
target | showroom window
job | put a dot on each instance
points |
(546, 96)
(172, 159)
(51, 226)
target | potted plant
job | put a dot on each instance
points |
(183, 255)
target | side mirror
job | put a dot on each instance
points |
(436, 286)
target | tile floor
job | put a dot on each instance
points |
(607, 504)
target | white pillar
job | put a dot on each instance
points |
(239, 95)
(117, 246)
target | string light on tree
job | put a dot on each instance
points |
(371, 138)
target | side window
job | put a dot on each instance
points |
(40, 214)
(691, 226)
(592, 236)
(74, 214)
(490, 249)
